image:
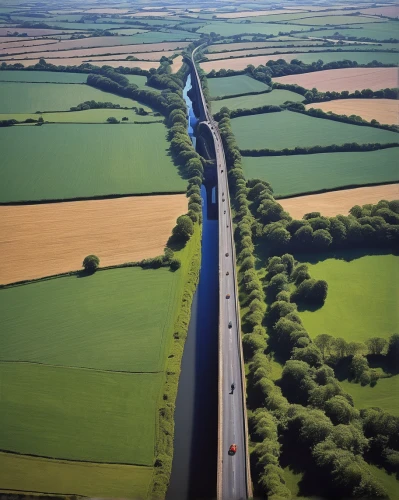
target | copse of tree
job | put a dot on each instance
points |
(91, 263)
(184, 229)
(311, 291)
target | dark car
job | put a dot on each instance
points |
(230, 324)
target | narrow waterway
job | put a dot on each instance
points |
(195, 442)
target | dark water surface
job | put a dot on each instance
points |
(195, 442)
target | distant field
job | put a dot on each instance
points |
(375, 31)
(87, 116)
(362, 297)
(275, 97)
(389, 11)
(232, 85)
(350, 79)
(251, 46)
(289, 130)
(98, 322)
(239, 64)
(338, 202)
(290, 175)
(335, 20)
(24, 474)
(42, 76)
(59, 412)
(253, 13)
(383, 110)
(231, 29)
(112, 159)
(32, 97)
(56, 236)
(77, 61)
(384, 394)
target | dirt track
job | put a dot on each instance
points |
(45, 239)
(338, 202)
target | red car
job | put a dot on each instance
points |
(228, 296)
(232, 449)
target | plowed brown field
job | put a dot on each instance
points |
(345, 79)
(338, 202)
(383, 110)
(41, 240)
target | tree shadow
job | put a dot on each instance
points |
(346, 255)
(306, 306)
(84, 273)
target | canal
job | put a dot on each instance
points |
(195, 441)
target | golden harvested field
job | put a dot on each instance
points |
(253, 13)
(177, 64)
(240, 63)
(345, 79)
(60, 50)
(385, 111)
(161, 13)
(76, 61)
(107, 11)
(144, 56)
(338, 202)
(45, 239)
(4, 47)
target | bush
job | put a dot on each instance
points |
(184, 228)
(175, 264)
(91, 263)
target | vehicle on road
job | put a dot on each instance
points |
(227, 273)
(232, 387)
(232, 449)
(227, 254)
(230, 324)
(225, 211)
(228, 296)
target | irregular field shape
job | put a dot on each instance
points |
(254, 52)
(361, 300)
(146, 56)
(338, 202)
(350, 79)
(390, 11)
(384, 395)
(42, 76)
(32, 97)
(232, 85)
(35, 31)
(77, 61)
(291, 175)
(24, 43)
(99, 322)
(177, 64)
(59, 412)
(56, 237)
(383, 110)
(335, 20)
(237, 47)
(276, 97)
(252, 13)
(289, 129)
(25, 474)
(376, 31)
(75, 161)
(240, 63)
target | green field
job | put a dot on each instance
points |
(390, 483)
(375, 31)
(87, 116)
(138, 80)
(290, 175)
(289, 130)
(88, 415)
(362, 297)
(26, 474)
(384, 395)
(32, 97)
(91, 160)
(334, 20)
(42, 76)
(100, 322)
(359, 57)
(232, 85)
(276, 97)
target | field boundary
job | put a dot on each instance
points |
(339, 188)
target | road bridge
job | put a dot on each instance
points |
(233, 473)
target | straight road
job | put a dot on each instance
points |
(232, 473)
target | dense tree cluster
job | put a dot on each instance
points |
(253, 111)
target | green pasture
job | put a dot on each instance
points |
(87, 116)
(100, 321)
(21, 473)
(290, 129)
(357, 55)
(362, 297)
(232, 85)
(276, 97)
(390, 483)
(76, 414)
(72, 161)
(292, 175)
(32, 97)
(384, 395)
(375, 31)
(231, 29)
(42, 76)
(334, 20)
